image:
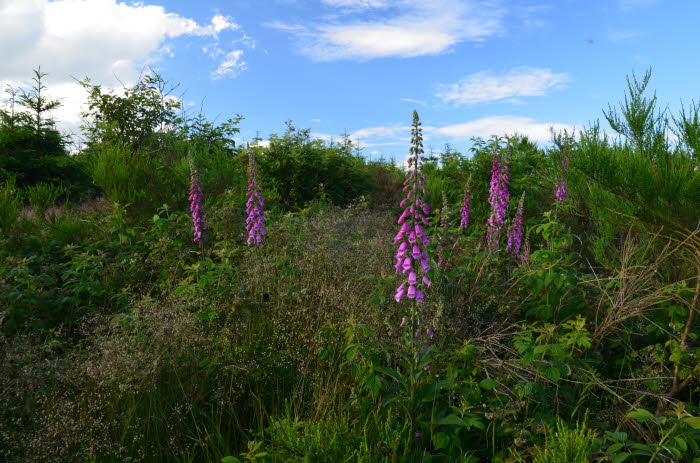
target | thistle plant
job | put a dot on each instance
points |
(196, 206)
(255, 223)
(498, 198)
(466, 207)
(515, 231)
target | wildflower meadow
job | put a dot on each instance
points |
(172, 293)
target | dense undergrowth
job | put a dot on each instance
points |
(123, 340)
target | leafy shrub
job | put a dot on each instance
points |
(10, 205)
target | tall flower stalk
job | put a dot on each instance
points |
(444, 235)
(525, 251)
(411, 258)
(255, 223)
(466, 207)
(515, 231)
(196, 206)
(561, 185)
(498, 198)
(412, 263)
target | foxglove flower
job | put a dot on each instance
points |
(444, 235)
(515, 231)
(466, 207)
(561, 190)
(196, 206)
(411, 258)
(561, 185)
(498, 199)
(525, 251)
(255, 223)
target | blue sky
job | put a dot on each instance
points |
(471, 68)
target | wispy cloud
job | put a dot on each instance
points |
(409, 28)
(622, 36)
(501, 125)
(485, 87)
(411, 100)
(357, 4)
(399, 135)
(231, 66)
(633, 4)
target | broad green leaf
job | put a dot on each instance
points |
(618, 436)
(392, 373)
(613, 449)
(640, 415)
(452, 420)
(488, 384)
(621, 457)
(693, 421)
(681, 443)
(441, 440)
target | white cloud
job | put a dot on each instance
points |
(96, 37)
(398, 135)
(485, 87)
(500, 125)
(107, 40)
(415, 28)
(231, 66)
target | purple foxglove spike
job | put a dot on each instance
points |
(255, 204)
(466, 206)
(196, 198)
(411, 239)
(515, 231)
